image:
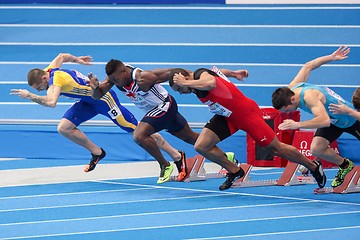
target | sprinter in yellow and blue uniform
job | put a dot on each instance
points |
(73, 84)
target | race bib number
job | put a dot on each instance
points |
(114, 112)
(217, 109)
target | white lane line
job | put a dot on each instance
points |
(11, 159)
(156, 213)
(181, 8)
(279, 233)
(112, 203)
(232, 193)
(191, 224)
(74, 193)
(172, 26)
(107, 44)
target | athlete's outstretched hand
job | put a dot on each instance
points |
(85, 60)
(288, 124)
(339, 108)
(179, 79)
(23, 93)
(341, 53)
(93, 81)
(240, 74)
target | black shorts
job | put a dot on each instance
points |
(165, 116)
(219, 126)
(332, 133)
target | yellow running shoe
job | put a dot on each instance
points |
(231, 157)
(340, 176)
(165, 174)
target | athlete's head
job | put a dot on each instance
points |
(38, 79)
(283, 100)
(176, 73)
(116, 71)
(356, 99)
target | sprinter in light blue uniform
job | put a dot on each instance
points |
(316, 100)
(339, 120)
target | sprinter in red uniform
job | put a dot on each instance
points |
(233, 111)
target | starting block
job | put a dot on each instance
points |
(351, 184)
(195, 170)
(288, 178)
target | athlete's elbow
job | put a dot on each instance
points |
(51, 104)
(327, 122)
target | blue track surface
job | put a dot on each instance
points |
(272, 42)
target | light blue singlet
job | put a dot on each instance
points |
(339, 120)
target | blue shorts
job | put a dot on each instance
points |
(169, 119)
(108, 106)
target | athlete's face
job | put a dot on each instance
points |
(41, 85)
(119, 77)
(289, 108)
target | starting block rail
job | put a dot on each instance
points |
(195, 170)
(351, 184)
(288, 178)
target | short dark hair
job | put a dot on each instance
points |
(35, 75)
(112, 65)
(281, 97)
(356, 99)
(175, 71)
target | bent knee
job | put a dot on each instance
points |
(201, 148)
(62, 129)
(317, 149)
(316, 152)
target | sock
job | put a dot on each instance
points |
(345, 164)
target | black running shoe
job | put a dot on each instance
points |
(94, 160)
(181, 166)
(231, 178)
(319, 174)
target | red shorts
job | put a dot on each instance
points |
(247, 117)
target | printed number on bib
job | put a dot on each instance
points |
(114, 112)
(216, 108)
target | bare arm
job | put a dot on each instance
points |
(304, 73)
(49, 100)
(238, 74)
(321, 117)
(150, 78)
(205, 82)
(99, 89)
(67, 57)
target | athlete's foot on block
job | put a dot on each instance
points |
(231, 178)
(94, 160)
(181, 167)
(319, 174)
(165, 174)
(340, 176)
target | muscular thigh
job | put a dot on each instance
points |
(220, 127)
(259, 130)
(121, 116)
(80, 112)
(165, 118)
(330, 133)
